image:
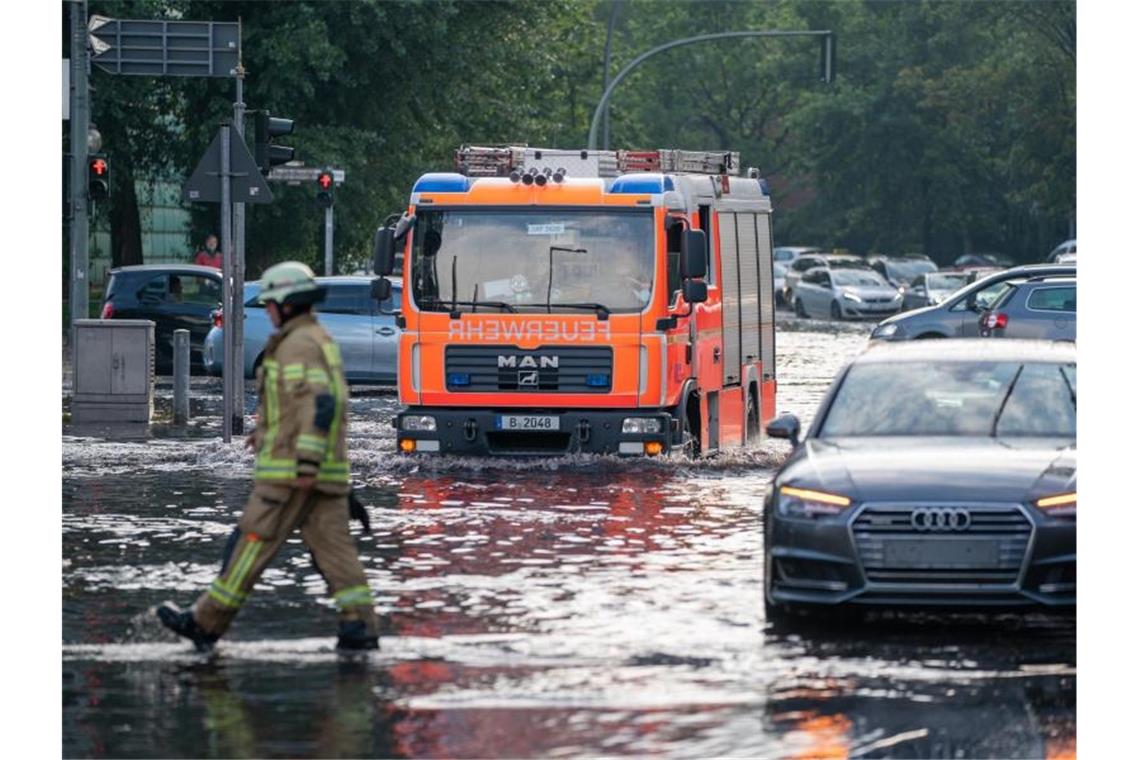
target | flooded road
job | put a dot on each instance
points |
(554, 608)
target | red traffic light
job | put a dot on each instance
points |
(98, 167)
(325, 180)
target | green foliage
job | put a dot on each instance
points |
(951, 126)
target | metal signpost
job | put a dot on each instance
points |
(295, 175)
(227, 173)
(157, 47)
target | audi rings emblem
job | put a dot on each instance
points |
(940, 519)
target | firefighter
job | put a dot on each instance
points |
(301, 474)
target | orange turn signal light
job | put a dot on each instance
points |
(407, 445)
(822, 497)
(1060, 500)
(653, 448)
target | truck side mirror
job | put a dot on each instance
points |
(693, 262)
(381, 289)
(695, 291)
(383, 251)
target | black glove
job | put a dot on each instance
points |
(356, 511)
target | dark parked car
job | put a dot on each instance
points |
(1039, 307)
(967, 260)
(935, 474)
(174, 297)
(957, 315)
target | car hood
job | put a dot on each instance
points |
(935, 469)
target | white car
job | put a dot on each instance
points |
(1068, 250)
(845, 293)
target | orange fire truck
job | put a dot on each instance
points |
(557, 301)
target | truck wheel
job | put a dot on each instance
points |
(691, 430)
(800, 310)
(751, 418)
(836, 312)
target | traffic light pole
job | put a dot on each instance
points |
(236, 323)
(229, 360)
(80, 118)
(329, 270)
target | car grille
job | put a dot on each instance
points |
(989, 551)
(544, 370)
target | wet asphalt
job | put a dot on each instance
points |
(577, 606)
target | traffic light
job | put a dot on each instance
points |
(265, 153)
(326, 188)
(98, 177)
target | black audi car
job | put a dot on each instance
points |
(935, 474)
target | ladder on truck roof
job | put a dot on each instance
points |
(502, 160)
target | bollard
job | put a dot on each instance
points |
(181, 376)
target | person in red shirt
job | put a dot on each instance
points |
(210, 256)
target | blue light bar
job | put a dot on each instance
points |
(642, 183)
(459, 378)
(598, 381)
(442, 182)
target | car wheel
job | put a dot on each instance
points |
(800, 310)
(836, 312)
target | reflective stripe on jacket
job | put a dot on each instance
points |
(302, 408)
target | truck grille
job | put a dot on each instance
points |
(480, 369)
(989, 550)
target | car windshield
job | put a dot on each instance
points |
(857, 277)
(946, 281)
(909, 269)
(514, 259)
(978, 398)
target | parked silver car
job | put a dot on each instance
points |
(932, 288)
(845, 293)
(1037, 307)
(786, 254)
(364, 328)
(957, 316)
(899, 270)
(806, 261)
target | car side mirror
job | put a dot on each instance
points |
(785, 426)
(381, 289)
(695, 291)
(383, 251)
(693, 262)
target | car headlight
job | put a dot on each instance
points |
(1059, 505)
(897, 296)
(852, 297)
(641, 425)
(809, 503)
(885, 331)
(418, 422)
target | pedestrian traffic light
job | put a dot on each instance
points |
(326, 187)
(265, 153)
(98, 177)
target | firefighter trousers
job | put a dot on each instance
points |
(271, 515)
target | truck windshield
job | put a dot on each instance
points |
(510, 260)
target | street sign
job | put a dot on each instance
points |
(247, 184)
(165, 48)
(300, 174)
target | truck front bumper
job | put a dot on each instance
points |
(476, 433)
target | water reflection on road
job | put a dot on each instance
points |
(588, 606)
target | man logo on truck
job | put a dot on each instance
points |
(528, 362)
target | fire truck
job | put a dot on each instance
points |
(561, 301)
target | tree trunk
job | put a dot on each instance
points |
(126, 229)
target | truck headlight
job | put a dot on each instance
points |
(423, 423)
(809, 503)
(634, 425)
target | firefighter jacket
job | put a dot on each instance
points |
(302, 416)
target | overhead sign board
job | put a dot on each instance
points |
(165, 48)
(300, 174)
(246, 183)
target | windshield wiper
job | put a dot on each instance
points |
(1004, 400)
(602, 309)
(497, 304)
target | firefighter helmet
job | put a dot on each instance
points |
(290, 282)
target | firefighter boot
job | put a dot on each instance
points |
(353, 636)
(182, 622)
